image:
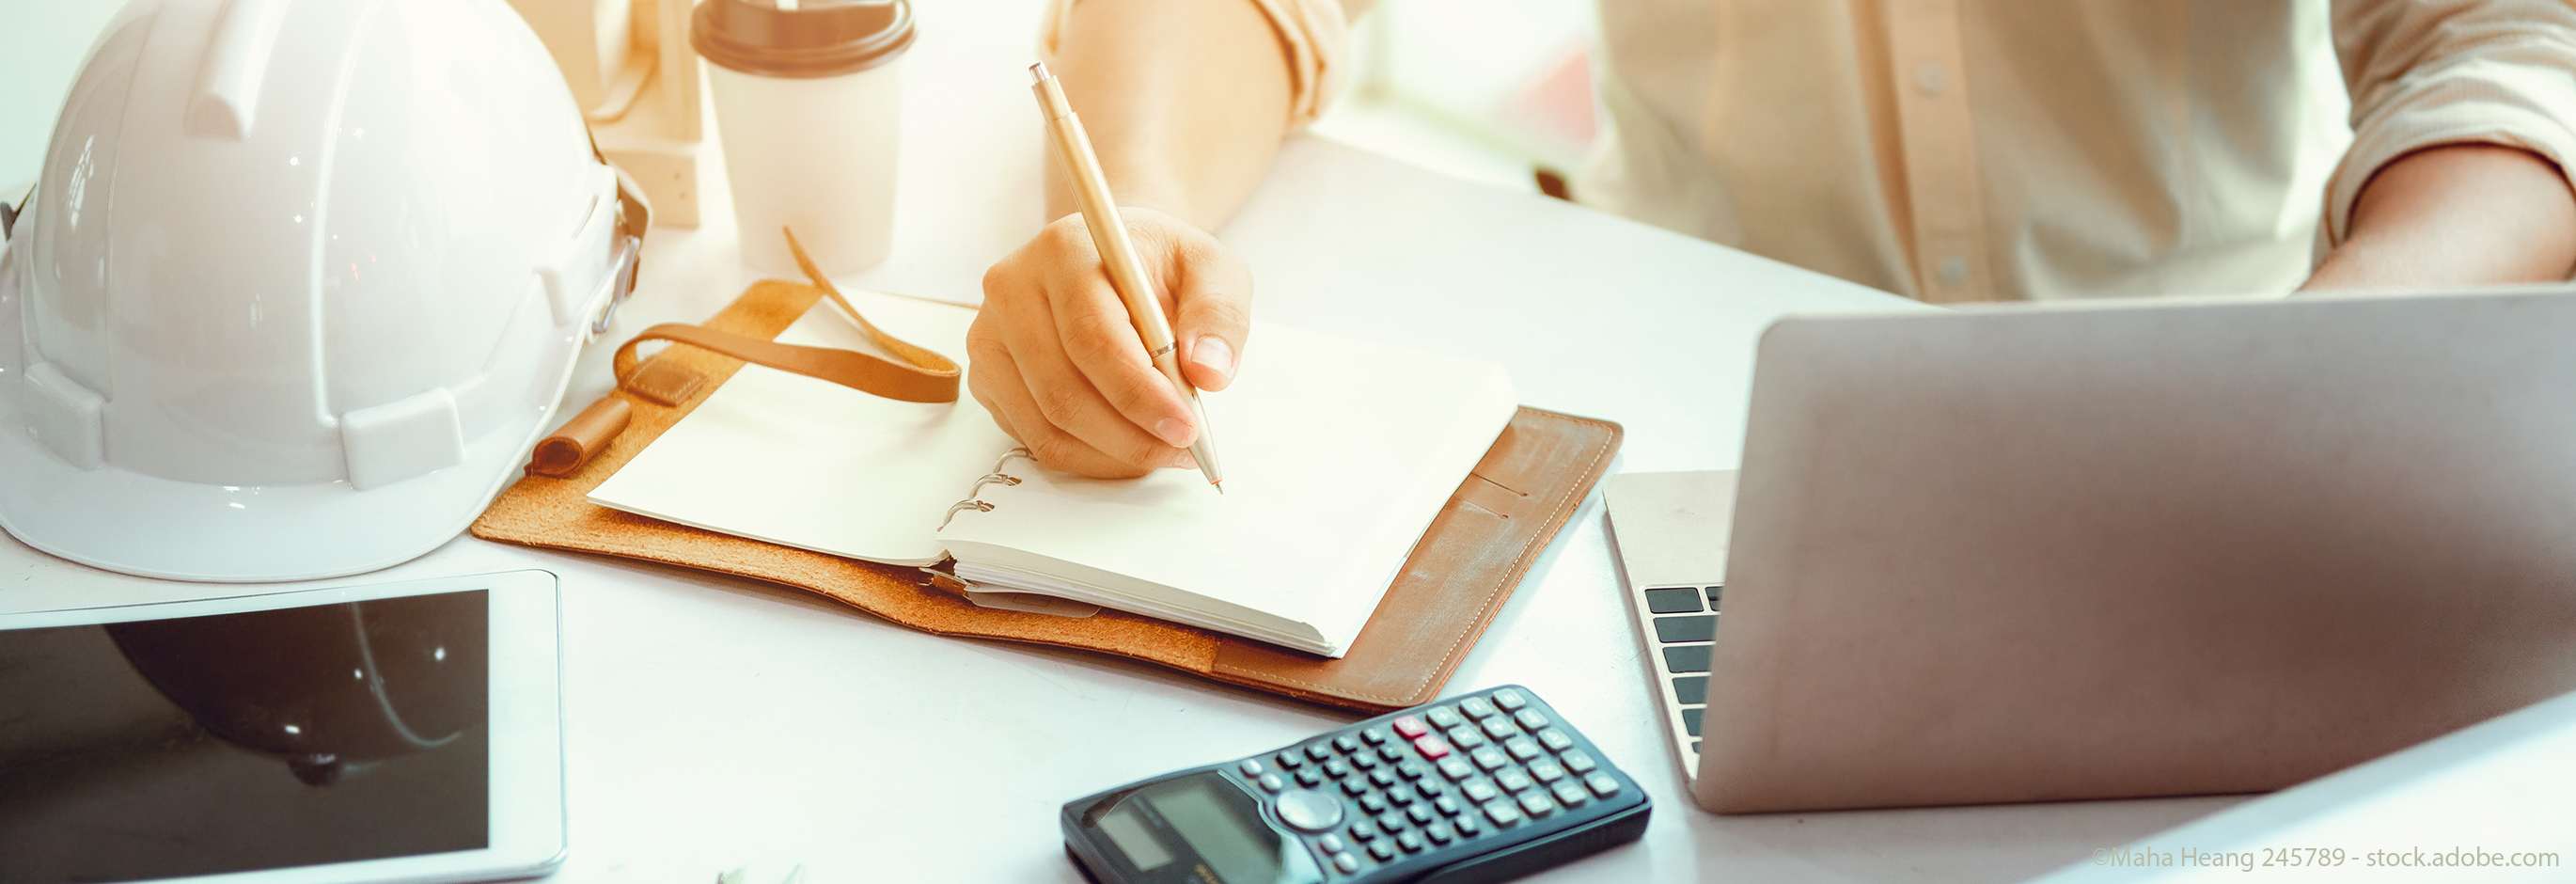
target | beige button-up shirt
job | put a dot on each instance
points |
(1959, 150)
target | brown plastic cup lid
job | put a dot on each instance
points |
(820, 38)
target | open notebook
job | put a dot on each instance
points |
(1338, 455)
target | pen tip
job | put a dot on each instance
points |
(1038, 72)
(1220, 487)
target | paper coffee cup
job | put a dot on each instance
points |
(808, 100)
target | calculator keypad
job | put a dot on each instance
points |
(1450, 773)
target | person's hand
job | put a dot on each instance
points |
(1056, 360)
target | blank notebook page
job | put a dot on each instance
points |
(811, 464)
(1337, 456)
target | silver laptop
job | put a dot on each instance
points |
(2113, 550)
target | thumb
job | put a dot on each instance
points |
(1214, 303)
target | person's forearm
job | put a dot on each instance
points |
(2457, 215)
(1185, 100)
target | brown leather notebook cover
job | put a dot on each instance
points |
(1466, 565)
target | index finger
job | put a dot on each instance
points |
(1103, 344)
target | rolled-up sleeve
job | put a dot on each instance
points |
(2424, 73)
(1314, 35)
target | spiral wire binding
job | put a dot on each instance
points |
(996, 476)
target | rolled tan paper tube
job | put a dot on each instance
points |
(579, 439)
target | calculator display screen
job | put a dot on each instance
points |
(1237, 849)
(1127, 831)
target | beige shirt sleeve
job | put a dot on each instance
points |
(2424, 73)
(1314, 35)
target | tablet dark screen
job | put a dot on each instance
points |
(235, 742)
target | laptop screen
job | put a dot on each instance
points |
(237, 742)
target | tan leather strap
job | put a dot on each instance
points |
(922, 376)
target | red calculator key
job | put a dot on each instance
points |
(1411, 727)
(1431, 746)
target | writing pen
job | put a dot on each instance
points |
(1118, 254)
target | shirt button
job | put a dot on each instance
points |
(1931, 78)
(1954, 270)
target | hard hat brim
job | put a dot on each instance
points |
(149, 526)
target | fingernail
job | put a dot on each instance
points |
(1173, 432)
(1213, 354)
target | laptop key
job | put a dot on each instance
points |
(1673, 601)
(1687, 659)
(1691, 689)
(1686, 629)
(1690, 719)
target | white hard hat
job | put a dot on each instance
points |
(301, 285)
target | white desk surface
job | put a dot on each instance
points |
(717, 722)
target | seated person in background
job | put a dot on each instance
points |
(1945, 151)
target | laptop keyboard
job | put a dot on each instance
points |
(1685, 621)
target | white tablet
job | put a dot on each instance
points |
(404, 732)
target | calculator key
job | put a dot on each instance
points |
(1467, 826)
(1698, 628)
(1555, 740)
(1392, 751)
(1537, 803)
(1411, 842)
(1374, 735)
(1431, 746)
(1570, 794)
(1430, 786)
(1382, 777)
(1332, 844)
(1440, 833)
(1690, 719)
(1363, 761)
(1400, 795)
(1467, 737)
(1445, 718)
(1309, 811)
(1522, 748)
(1691, 658)
(1319, 751)
(1546, 771)
(1714, 594)
(1363, 830)
(1251, 767)
(1476, 707)
(1448, 805)
(1489, 758)
(1346, 744)
(1456, 768)
(1673, 601)
(1503, 811)
(1413, 770)
(1480, 791)
(1383, 849)
(1514, 781)
(1346, 863)
(1510, 699)
(1310, 777)
(1579, 761)
(1270, 782)
(1355, 784)
(1337, 768)
(1498, 727)
(1691, 689)
(1391, 822)
(1602, 785)
(1409, 726)
(1531, 719)
(1373, 803)
(1289, 760)
(1421, 813)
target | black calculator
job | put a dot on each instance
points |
(1487, 786)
